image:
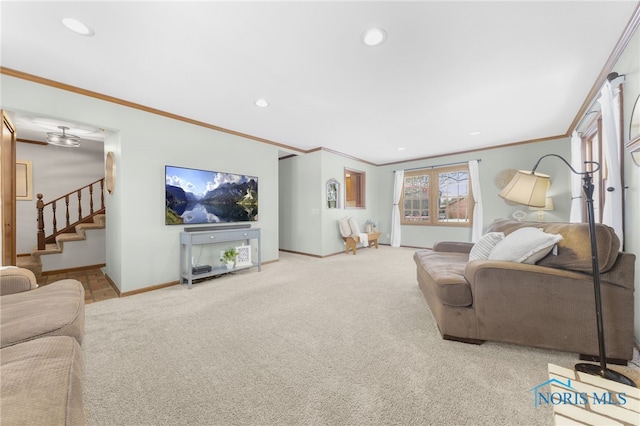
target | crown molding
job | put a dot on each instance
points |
(107, 98)
(622, 43)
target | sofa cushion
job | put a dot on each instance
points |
(574, 251)
(42, 382)
(55, 309)
(483, 247)
(445, 270)
(524, 245)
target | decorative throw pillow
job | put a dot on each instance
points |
(483, 247)
(345, 229)
(525, 245)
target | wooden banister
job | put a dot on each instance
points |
(68, 198)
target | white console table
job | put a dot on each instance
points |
(190, 239)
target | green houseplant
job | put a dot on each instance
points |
(229, 257)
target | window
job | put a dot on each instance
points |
(440, 196)
(354, 188)
(593, 150)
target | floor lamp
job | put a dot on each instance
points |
(530, 188)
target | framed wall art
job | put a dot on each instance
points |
(244, 256)
(24, 181)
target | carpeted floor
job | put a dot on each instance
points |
(344, 340)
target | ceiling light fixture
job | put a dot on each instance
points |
(78, 27)
(63, 139)
(262, 103)
(374, 36)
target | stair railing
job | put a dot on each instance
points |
(76, 200)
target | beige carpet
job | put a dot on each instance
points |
(345, 340)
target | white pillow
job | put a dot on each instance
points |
(483, 247)
(525, 245)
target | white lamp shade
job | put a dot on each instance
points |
(527, 188)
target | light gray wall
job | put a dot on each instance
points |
(115, 211)
(56, 171)
(141, 251)
(300, 204)
(629, 64)
(492, 162)
(306, 224)
(333, 166)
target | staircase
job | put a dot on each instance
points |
(76, 231)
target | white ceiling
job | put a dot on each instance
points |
(513, 71)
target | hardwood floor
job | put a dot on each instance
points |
(96, 286)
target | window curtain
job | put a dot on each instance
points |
(609, 103)
(476, 230)
(575, 214)
(395, 213)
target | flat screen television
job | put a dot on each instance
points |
(194, 196)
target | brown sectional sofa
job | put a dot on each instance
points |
(41, 329)
(549, 304)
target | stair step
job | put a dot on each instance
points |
(95, 220)
(71, 236)
(99, 222)
(51, 248)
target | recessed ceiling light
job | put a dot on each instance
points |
(474, 133)
(374, 36)
(262, 103)
(402, 148)
(78, 27)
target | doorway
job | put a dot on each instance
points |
(8, 191)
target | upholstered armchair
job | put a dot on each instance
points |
(30, 311)
(16, 280)
(41, 367)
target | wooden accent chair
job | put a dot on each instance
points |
(352, 236)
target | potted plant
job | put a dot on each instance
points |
(229, 257)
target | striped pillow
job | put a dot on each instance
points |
(483, 247)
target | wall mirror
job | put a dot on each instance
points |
(333, 194)
(633, 146)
